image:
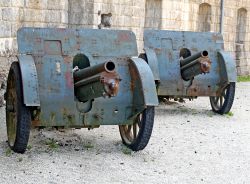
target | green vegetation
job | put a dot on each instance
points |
(210, 114)
(88, 145)
(243, 78)
(8, 152)
(51, 143)
(230, 114)
(20, 159)
(29, 147)
(126, 150)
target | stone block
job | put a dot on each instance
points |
(5, 29)
(10, 14)
(5, 3)
(40, 24)
(14, 27)
(64, 17)
(57, 5)
(243, 71)
(36, 4)
(52, 16)
(33, 15)
(17, 3)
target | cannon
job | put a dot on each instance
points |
(96, 81)
(191, 64)
(194, 65)
(79, 78)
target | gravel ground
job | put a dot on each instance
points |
(189, 144)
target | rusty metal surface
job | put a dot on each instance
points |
(80, 74)
(147, 88)
(105, 84)
(190, 68)
(168, 44)
(53, 51)
(97, 81)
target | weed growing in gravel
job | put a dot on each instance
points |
(29, 147)
(229, 114)
(194, 111)
(51, 143)
(243, 78)
(20, 159)
(8, 152)
(126, 150)
(210, 114)
(88, 145)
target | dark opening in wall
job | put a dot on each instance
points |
(241, 54)
(106, 20)
(241, 25)
(204, 18)
(153, 14)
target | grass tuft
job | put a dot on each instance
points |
(20, 159)
(29, 147)
(88, 145)
(230, 114)
(126, 150)
(51, 143)
(8, 152)
(243, 78)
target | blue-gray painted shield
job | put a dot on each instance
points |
(29, 80)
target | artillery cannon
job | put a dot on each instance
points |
(194, 65)
(179, 73)
(82, 78)
(96, 81)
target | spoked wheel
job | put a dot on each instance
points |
(222, 104)
(137, 135)
(18, 116)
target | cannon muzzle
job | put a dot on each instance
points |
(194, 65)
(96, 81)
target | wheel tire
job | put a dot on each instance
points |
(139, 140)
(222, 104)
(18, 116)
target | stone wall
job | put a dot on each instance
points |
(126, 14)
(134, 15)
(32, 13)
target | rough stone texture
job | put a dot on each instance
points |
(135, 15)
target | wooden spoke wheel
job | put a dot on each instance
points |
(222, 104)
(18, 117)
(137, 135)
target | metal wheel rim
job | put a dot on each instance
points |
(218, 101)
(11, 111)
(130, 133)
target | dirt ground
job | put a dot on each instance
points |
(189, 144)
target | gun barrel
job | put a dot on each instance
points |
(189, 59)
(194, 65)
(96, 81)
(93, 70)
